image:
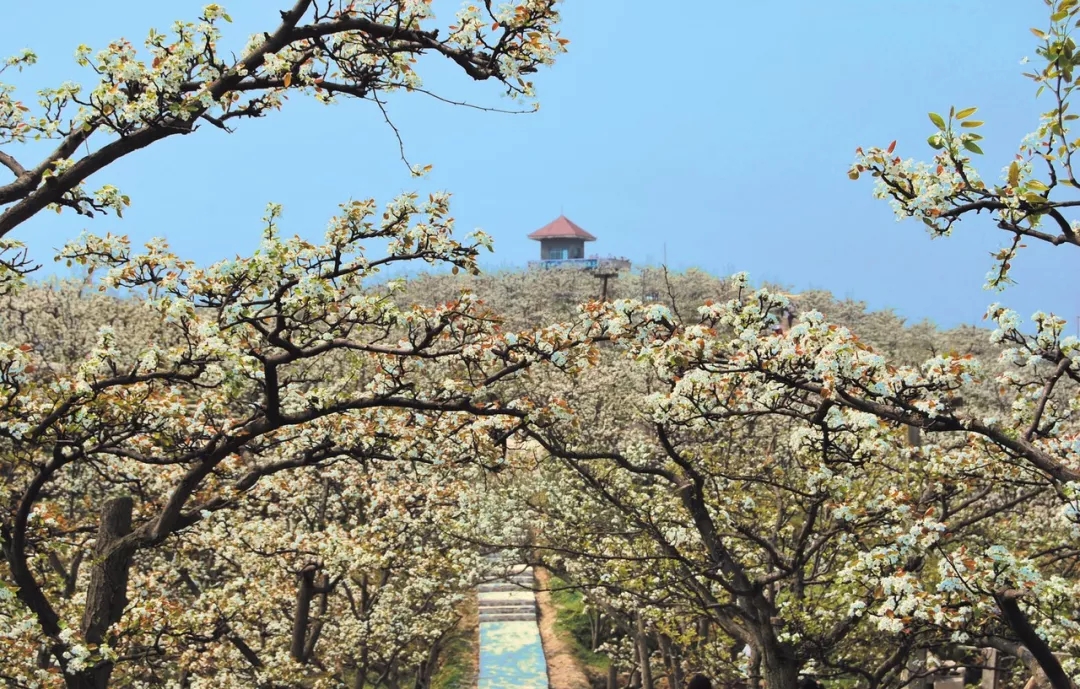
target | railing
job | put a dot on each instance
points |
(587, 263)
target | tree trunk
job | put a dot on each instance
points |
(643, 655)
(304, 593)
(322, 584)
(360, 678)
(675, 675)
(754, 679)
(780, 672)
(1044, 655)
(361, 669)
(426, 671)
(703, 629)
(612, 675)
(106, 597)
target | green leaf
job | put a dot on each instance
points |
(971, 123)
(938, 120)
(1038, 33)
(973, 147)
(1058, 16)
(935, 142)
(966, 112)
(1037, 185)
(1014, 173)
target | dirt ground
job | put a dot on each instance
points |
(470, 624)
(564, 672)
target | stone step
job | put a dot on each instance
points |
(511, 617)
(520, 582)
(509, 610)
(526, 582)
(507, 603)
(495, 612)
(513, 567)
(513, 571)
(496, 588)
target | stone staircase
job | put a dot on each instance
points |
(509, 598)
(511, 650)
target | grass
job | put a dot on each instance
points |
(572, 625)
(458, 667)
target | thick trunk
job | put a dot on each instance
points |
(612, 675)
(106, 597)
(304, 593)
(780, 671)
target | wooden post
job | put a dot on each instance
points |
(990, 671)
(604, 275)
(950, 682)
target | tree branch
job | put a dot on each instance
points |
(1019, 623)
(12, 164)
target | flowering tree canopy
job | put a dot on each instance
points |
(148, 533)
(272, 471)
(836, 510)
(187, 78)
(118, 462)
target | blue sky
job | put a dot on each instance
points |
(717, 133)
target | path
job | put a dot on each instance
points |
(511, 653)
(564, 670)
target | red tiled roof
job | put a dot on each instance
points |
(562, 228)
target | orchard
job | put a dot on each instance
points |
(291, 469)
